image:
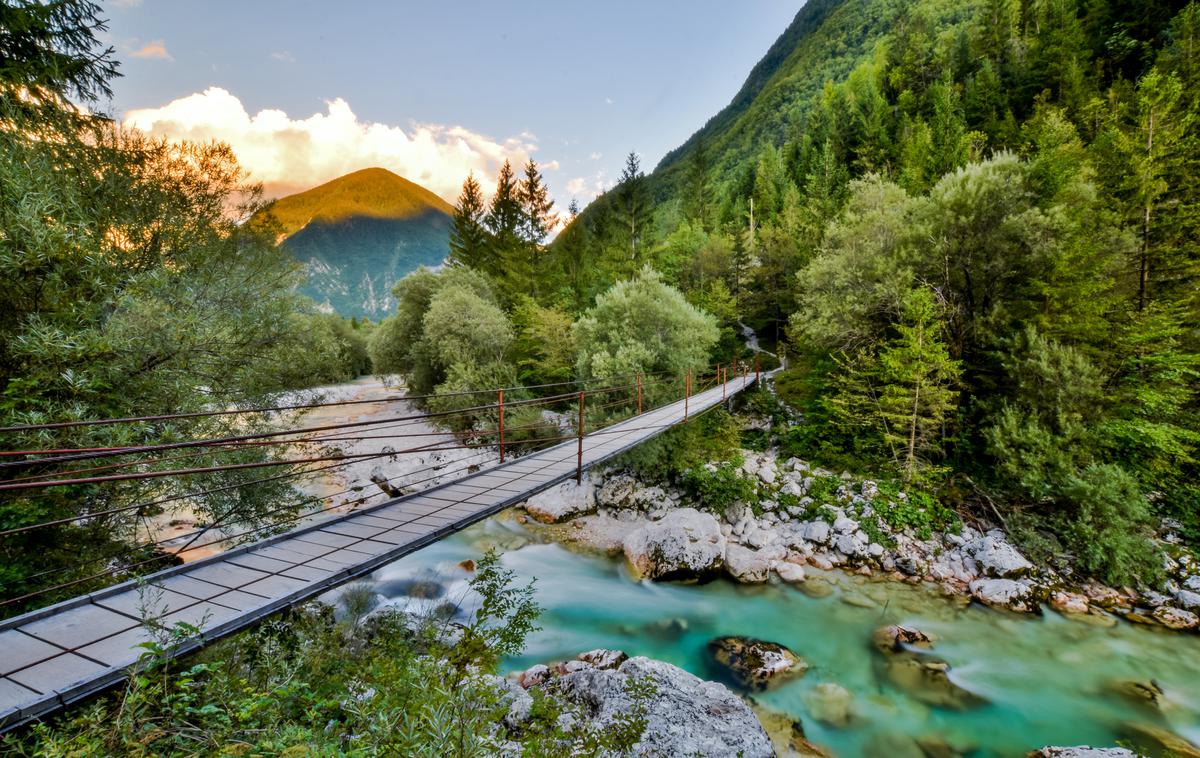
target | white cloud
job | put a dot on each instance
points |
(587, 189)
(126, 3)
(608, 101)
(283, 56)
(596, 156)
(152, 49)
(289, 154)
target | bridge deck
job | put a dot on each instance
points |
(68, 651)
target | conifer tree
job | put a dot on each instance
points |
(917, 379)
(537, 221)
(469, 243)
(633, 216)
(503, 221)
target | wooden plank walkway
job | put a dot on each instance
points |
(65, 652)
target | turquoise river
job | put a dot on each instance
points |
(1046, 680)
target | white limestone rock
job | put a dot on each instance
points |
(685, 716)
(684, 544)
(746, 565)
(996, 557)
(562, 502)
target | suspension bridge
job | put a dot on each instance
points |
(62, 653)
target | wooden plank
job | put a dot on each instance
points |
(22, 651)
(79, 626)
(13, 695)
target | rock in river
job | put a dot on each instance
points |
(830, 704)
(896, 639)
(755, 664)
(927, 679)
(685, 715)
(685, 544)
(562, 502)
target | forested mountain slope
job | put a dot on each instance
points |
(359, 234)
(975, 226)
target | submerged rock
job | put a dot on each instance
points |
(1082, 751)
(927, 679)
(562, 502)
(1166, 741)
(685, 544)
(787, 734)
(1142, 692)
(830, 704)
(685, 715)
(755, 664)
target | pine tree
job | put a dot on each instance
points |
(469, 240)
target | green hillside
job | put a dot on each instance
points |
(359, 234)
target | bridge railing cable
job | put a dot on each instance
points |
(543, 434)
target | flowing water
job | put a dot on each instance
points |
(1046, 680)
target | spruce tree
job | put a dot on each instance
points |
(633, 216)
(469, 243)
(503, 221)
(917, 379)
(537, 221)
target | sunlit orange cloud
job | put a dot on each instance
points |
(288, 154)
(153, 49)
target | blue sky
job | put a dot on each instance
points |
(433, 90)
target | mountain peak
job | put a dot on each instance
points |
(357, 235)
(370, 192)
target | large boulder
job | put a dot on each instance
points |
(562, 502)
(1188, 600)
(996, 557)
(746, 565)
(755, 664)
(684, 544)
(1175, 618)
(1003, 593)
(685, 715)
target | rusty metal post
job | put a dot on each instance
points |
(687, 391)
(757, 367)
(579, 458)
(639, 385)
(500, 405)
(721, 379)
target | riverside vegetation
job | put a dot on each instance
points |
(971, 227)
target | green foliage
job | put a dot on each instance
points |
(309, 684)
(714, 436)
(132, 286)
(428, 335)
(716, 487)
(643, 326)
(919, 511)
(1109, 528)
